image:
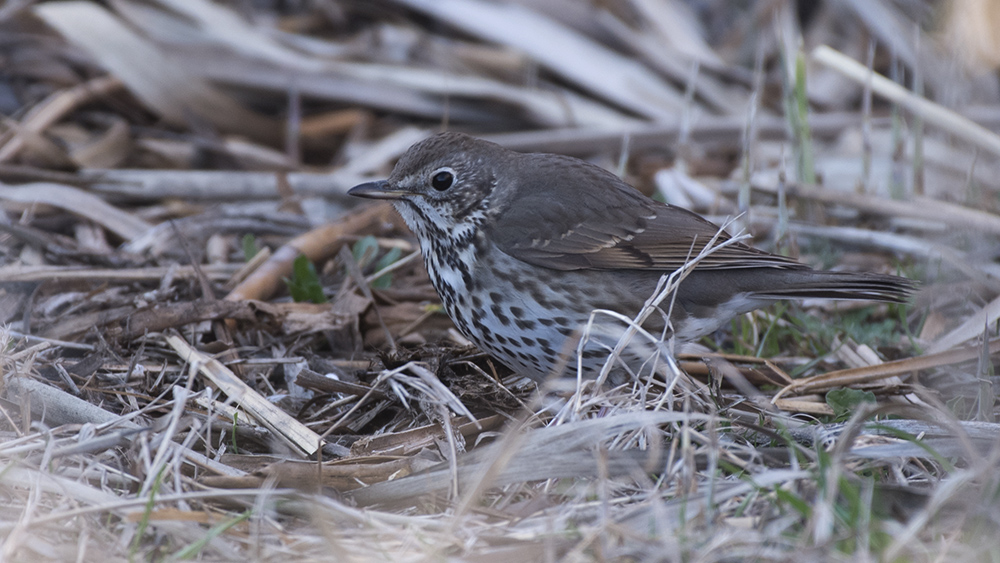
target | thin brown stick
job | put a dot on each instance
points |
(318, 244)
(855, 376)
(55, 107)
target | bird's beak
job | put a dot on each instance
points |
(376, 190)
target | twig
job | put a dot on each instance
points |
(932, 113)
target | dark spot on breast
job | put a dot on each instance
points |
(504, 276)
(498, 313)
(524, 324)
(517, 312)
(545, 302)
(527, 341)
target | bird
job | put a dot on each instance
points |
(522, 248)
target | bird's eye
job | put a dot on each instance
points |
(442, 180)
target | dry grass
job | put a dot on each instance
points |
(163, 164)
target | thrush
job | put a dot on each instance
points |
(522, 248)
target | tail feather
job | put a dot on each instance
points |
(839, 285)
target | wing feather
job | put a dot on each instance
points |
(593, 220)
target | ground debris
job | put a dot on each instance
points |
(170, 171)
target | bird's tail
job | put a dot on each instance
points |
(840, 285)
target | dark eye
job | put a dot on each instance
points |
(442, 180)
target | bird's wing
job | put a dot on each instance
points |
(603, 223)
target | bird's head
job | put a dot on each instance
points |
(440, 184)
